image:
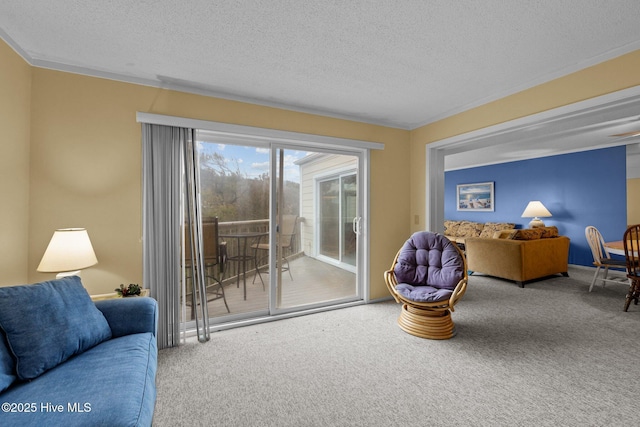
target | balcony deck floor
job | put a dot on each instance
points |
(313, 281)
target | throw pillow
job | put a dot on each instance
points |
(470, 229)
(505, 234)
(7, 364)
(47, 323)
(528, 234)
(548, 232)
(451, 227)
(490, 228)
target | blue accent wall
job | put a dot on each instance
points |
(579, 189)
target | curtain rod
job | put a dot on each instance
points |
(256, 133)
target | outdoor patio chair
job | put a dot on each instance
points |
(287, 233)
(215, 254)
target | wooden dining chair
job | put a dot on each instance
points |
(602, 259)
(632, 256)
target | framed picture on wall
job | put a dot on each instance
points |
(475, 197)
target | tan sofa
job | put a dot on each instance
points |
(519, 255)
(458, 231)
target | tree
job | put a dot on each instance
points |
(231, 195)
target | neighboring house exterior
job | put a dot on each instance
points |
(328, 207)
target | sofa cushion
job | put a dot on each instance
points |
(423, 293)
(7, 364)
(111, 384)
(490, 228)
(49, 322)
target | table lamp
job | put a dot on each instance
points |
(535, 209)
(69, 251)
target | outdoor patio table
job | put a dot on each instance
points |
(241, 256)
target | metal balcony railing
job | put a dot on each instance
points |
(253, 226)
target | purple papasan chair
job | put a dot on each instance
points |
(428, 276)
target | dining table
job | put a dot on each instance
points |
(616, 247)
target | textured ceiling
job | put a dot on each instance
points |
(399, 63)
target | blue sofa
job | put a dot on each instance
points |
(65, 360)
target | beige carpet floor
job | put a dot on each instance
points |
(551, 354)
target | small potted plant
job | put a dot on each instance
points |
(133, 290)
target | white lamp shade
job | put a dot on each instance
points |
(69, 249)
(535, 209)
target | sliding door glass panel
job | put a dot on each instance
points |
(317, 264)
(329, 211)
(349, 212)
(234, 182)
(338, 202)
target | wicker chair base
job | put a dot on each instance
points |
(427, 323)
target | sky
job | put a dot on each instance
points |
(254, 161)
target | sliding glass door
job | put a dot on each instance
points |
(338, 211)
(288, 226)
